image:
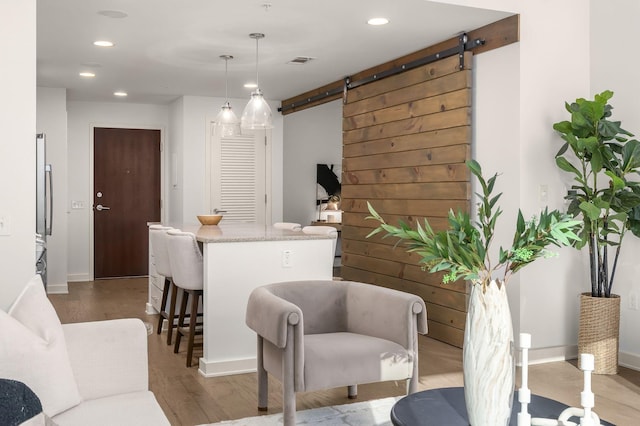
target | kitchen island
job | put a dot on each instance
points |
(236, 259)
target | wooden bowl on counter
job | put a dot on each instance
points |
(210, 219)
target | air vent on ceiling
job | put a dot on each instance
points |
(300, 60)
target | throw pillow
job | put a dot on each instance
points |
(33, 349)
(18, 403)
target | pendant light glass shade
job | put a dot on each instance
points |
(257, 113)
(226, 120)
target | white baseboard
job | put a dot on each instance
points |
(149, 309)
(226, 368)
(553, 354)
(629, 360)
(564, 353)
(58, 288)
(79, 277)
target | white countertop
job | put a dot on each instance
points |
(240, 232)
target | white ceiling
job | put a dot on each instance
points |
(168, 48)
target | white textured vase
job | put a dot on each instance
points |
(488, 357)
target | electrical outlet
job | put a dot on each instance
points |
(543, 193)
(287, 258)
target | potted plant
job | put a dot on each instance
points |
(463, 251)
(600, 157)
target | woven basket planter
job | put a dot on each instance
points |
(599, 331)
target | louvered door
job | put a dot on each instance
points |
(237, 170)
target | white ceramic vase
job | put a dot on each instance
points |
(488, 356)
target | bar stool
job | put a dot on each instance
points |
(158, 238)
(186, 264)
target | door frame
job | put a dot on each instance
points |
(268, 166)
(92, 191)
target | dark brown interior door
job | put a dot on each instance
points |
(126, 196)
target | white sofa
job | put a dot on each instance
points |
(91, 373)
(109, 362)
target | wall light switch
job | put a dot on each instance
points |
(5, 224)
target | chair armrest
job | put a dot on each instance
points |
(108, 357)
(269, 315)
(386, 313)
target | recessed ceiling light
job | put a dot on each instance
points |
(250, 85)
(121, 94)
(378, 21)
(103, 43)
(87, 74)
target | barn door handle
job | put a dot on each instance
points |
(100, 207)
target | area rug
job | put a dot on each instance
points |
(366, 413)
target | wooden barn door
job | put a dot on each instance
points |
(405, 142)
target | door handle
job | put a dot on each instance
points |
(100, 207)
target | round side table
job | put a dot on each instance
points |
(445, 406)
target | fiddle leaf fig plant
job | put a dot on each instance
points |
(462, 250)
(605, 195)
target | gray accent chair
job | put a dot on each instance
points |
(324, 334)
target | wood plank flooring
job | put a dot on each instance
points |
(189, 399)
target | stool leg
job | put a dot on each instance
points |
(183, 309)
(163, 304)
(195, 299)
(172, 312)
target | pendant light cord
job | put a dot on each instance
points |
(226, 80)
(257, 82)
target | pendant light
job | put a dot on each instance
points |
(226, 120)
(257, 114)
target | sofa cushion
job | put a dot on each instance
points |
(129, 409)
(33, 349)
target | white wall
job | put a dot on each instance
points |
(548, 77)
(174, 149)
(17, 146)
(311, 136)
(189, 118)
(528, 85)
(81, 117)
(614, 67)
(496, 105)
(52, 120)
